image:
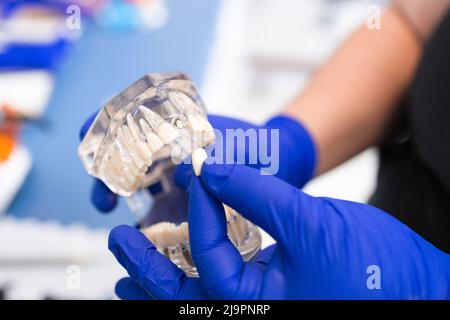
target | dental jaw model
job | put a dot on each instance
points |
(133, 146)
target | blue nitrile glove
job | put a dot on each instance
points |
(326, 248)
(152, 275)
(33, 56)
(296, 154)
(290, 156)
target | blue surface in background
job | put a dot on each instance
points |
(102, 64)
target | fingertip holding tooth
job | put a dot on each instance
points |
(198, 158)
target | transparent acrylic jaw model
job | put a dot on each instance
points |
(133, 145)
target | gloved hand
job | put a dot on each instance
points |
(295, 164)
(326, 248)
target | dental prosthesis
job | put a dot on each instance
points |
(133, 146)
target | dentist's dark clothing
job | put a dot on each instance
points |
(414, 175)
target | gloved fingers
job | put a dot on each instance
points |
(265, 200)
(155, 273)
(128, 289)
(255, 270)
(103, 199)
(87, 124)
(222, 123)
(183, 174)
(263, 257)
(218, 262)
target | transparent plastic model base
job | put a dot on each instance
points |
(133, 146)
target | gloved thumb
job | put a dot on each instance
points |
(269, 202)
(218, 262)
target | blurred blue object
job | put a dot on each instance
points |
(119, 16)
(102, 64)
(33, 56)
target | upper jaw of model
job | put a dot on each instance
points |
(136, 135)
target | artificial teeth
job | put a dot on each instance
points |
(184, 230)
(165, 131)
(145, 152)
(208, 134)
(198, 158)
(117, 160)
(152, 118)
(142, 148)
(139, 148)
(110, 173)
(129, 175)
(155, 232)
(153, 141)
(167, 234)
(195, 123)
(177, 236)
(134, 129)
(125, 138)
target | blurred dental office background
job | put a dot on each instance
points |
(249, 58)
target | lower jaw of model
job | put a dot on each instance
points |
(173, 240)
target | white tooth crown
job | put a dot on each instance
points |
(165, 131)
(198, 158)
(145, 130)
